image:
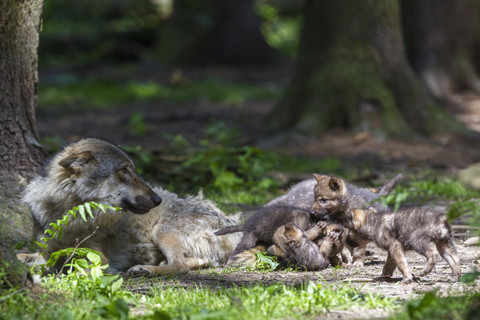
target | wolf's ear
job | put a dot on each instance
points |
(335, 184)
(75, 162)
(317, 177)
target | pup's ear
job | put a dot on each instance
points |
(317, 177)
(75, 162)
(335, 184)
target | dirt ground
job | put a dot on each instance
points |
(388, 155)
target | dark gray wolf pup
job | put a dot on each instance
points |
(147, 229)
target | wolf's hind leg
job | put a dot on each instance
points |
(449, 253)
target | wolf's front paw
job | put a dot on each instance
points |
(139, 271)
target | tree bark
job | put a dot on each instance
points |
(19, 27)
(352, 72)
(20, 152)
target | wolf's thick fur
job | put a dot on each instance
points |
(417, 229)
(296, 247)
(179, 232)
(97, 170)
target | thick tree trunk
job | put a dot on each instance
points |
(440, 37)
(20, 152)
(352, 71)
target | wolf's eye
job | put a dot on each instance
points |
(323, 200)
(124, 170)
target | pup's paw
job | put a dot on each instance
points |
(322, 227)
(139, 271)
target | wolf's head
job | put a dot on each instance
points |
(329, 195)
(97, 170)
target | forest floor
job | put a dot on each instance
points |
(388, 156)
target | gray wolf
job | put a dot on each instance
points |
(417, 229)
(297, 247)
(97, 170)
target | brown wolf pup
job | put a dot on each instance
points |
(416, 229)
(295, 246)
(147, 231)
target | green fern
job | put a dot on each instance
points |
(56, 228)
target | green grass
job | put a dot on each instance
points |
(257, 302)
(66, 298)
(95, 94)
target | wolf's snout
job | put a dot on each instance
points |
(156, 200)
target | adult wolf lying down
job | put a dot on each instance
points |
(155, 232)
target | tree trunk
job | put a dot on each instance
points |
(351, 71)
(19, 27)
(440, 37)
(20, 152)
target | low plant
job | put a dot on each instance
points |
(257, 301)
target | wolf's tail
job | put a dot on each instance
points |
(230, 229)
(387, 189)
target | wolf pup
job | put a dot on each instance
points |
(422, 230)
(301, 195)
(327, 198)
(144, 231)
(295, 246)
(417, 229)
(261, 226)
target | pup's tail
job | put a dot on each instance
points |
(387, 189)
(230, 229)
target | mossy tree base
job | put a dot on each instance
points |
(352, 72)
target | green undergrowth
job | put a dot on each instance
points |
(433, 307)
(95, 94)
(257, 302)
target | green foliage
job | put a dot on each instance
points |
(266, 262)
(92, 94)
(280, 31)
(136, 124)
(257, 302)
(433, 307)
(226, 168)
(93, 31)
(56, 228)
